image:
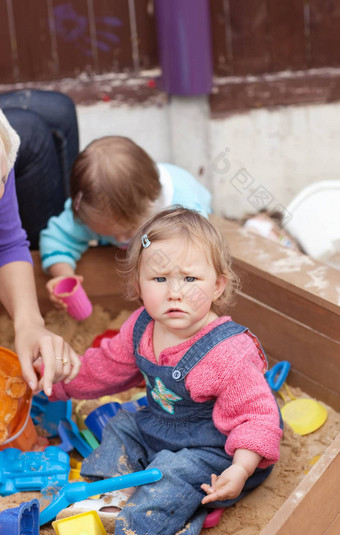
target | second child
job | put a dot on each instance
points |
(115, 187)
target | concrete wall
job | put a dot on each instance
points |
(259, 159)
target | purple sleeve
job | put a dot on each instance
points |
(13, 239)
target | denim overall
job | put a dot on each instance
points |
(174, 434)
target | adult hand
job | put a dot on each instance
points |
(51, 284)
(45, 358)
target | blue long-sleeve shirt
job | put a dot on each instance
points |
(66, 238)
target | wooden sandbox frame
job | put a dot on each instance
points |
(292, 304)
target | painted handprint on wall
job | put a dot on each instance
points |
(74, 29)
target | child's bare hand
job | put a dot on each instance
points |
(50, 285)
(226, 486)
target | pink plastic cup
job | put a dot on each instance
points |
(71, 292)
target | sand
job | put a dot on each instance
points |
(249, 516)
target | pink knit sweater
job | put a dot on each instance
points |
(231, 374)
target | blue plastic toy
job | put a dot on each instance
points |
(70, 434)
(79, 490)
(22, 520)
(65, 444)
(135, 404)
(32, 470)
(55, 417)
(98, 418)
(277, 375)
(47, 414)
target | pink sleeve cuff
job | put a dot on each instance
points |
(256, 436)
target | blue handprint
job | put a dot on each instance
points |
(74, 28)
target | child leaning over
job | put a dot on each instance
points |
(212, 425)
(115, 186)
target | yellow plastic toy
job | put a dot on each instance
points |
(87, 523)
(74, 474)
(303, 415)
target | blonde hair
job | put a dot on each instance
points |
(9, 140)
(115, 177)
(188, 224)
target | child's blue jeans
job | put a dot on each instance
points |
(166, 506)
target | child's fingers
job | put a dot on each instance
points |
(210, 488)
(210, 497)
(58, 303)
(51, 284)
(214, 479)
(219, 490)
(223, 493)
(55, 300)
(207, 488)
(209, 491)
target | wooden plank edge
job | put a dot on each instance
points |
(308, 351)
(314, 505)
(289, 302)
(289, 285)
(239, 94)
(279, 265)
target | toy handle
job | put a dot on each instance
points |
(79, 490)
(277, 375)
(122, 482)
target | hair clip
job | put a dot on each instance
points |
(145, 241)
(77, 200)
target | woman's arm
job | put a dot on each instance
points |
(34, 343)
(105, 370)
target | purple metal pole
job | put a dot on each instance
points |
(184, 44)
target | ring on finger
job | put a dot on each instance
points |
(64, 361)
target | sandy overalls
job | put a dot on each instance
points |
(174, 434)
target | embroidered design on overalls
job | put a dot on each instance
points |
(164, 396)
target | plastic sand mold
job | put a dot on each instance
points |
(32, 470)
(47, 414)
(22, 520)
(87, 523)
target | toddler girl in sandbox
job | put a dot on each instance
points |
(115, 186)
(212, 425)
